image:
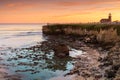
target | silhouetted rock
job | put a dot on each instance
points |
(61, 50)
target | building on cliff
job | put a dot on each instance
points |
(109, 20)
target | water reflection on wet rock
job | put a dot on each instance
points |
(29, 61)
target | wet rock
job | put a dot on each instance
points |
(116, 67)
(110, 73)
(19, 56)
(36, 63)
(117, 78)
(87, 39)
(12, 77)
(86, 74)
(90, 39)
(118, 75)
(107, 63)
(24, 70)
(100, 59)
(97, 76)
(61, 50)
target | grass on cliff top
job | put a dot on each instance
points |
(86, 26)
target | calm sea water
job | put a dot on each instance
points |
(14, 37)
(20, 35)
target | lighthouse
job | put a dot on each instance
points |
(110, 17)
(109, 20)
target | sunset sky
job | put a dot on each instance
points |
(57, 11)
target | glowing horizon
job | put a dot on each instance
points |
(55, 11)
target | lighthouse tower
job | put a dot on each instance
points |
(110, 17)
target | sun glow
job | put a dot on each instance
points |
(57, 11)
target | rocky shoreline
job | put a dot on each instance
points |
(102, 61)
(108, 67)
(96, 64)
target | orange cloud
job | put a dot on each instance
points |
(85, 2)
(11, 5)
(68, 3)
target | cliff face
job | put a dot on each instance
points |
(109, 35)
(102, 35)
(79, 31)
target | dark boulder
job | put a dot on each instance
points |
(61, 50)
(110, 73)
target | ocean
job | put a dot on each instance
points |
(17, 36)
